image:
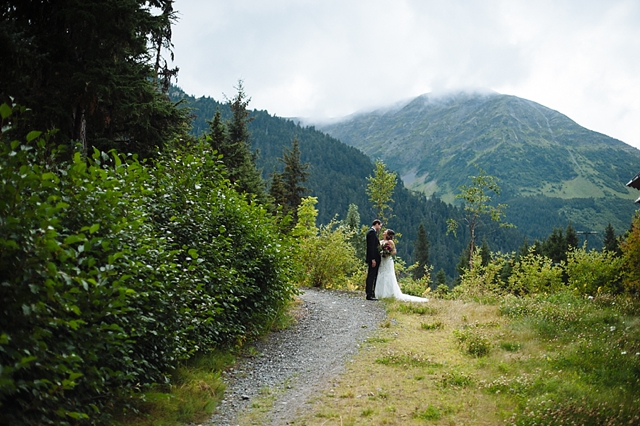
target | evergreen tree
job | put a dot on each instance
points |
(277, 191)
(421, 253)
(571, 237)
(523, 250)
(610, 242)
(293, 176)
(236, 149)
(485, 252)
(441, 278)
(357, 239)
(555, 246)
(463, 264)
(217, 132)
(630, 247)
(86, 68)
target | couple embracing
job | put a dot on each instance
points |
(381, 273)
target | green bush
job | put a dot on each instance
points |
(482, 280)
(420, 287)
(592, 272)
(534, 274)
(113, 271)
(67, 241)
(228, 257)
(630, 247)
(324, 257)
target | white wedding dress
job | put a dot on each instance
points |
(387, 283)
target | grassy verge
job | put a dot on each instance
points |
(197, 387)
(548, 360)
(195, 391)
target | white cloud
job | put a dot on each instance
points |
(331, 58)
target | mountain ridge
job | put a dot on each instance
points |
(539, 155)
(430, 136)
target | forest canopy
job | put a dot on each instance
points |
(94, 70)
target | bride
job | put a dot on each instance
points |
(387, 283)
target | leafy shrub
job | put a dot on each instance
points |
(630, 247)
(420, 287)
(227, 255)
(67, 238)
(113, 271)
(482, 280)
(441, 291)
(534, 274)
(592, 272)
(324, 257)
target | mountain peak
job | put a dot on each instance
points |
(436, 140)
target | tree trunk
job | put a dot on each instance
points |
(80, 128)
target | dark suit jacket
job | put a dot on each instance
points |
(372, 247)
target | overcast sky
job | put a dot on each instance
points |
(330, 58)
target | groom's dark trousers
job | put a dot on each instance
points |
(372, 254)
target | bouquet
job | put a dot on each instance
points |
(386, 249)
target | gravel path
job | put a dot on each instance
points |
(302, 359)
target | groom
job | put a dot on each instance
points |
(373, 258)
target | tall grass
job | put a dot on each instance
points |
(591, 359)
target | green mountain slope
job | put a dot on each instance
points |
(541, 157)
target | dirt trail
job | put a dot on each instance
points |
(299, 361)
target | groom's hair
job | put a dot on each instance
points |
(390, 233)
(376, 222)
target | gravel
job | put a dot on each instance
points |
(301, 360)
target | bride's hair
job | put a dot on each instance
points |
(390, 234)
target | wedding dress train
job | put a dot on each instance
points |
(387, 283)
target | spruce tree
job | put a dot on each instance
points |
(294, 175)
(610, 242)
(463, 264)
(421, 253)
(236, 149)
(555, 246)
(217, 135)
(277, 191)
(485, 252)
(571, 237)
(353, 218)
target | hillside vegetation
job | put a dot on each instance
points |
(337, 177)
(540, 156)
